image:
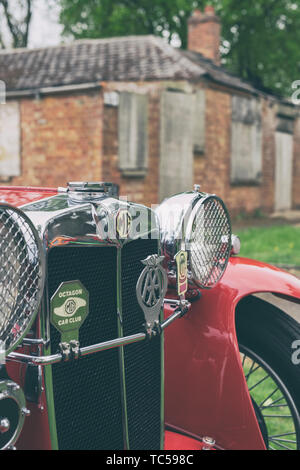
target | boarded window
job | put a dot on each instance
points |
(2, 92)
(199, 128)
(285, 124)
(177, 142)
(246, 141)
(10, 139)
(133, 133)
(283, 171)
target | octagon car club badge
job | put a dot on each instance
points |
(124, 223)
(182, 272)
(69, 308)
(151, 289)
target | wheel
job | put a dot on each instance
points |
(265, 336)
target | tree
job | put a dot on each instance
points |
(17, 18)
(260, 39)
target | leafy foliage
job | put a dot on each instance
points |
(260, 39)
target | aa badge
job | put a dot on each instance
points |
(151, 289)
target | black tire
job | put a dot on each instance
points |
(265, 336)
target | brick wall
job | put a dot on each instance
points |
(61, 139)
(142, 190)
(75, 137)
(212, 169)
(269, 149)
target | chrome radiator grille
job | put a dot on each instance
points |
(142, 361)
(87, 393)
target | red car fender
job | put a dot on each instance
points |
(205, 389)
(18, 196)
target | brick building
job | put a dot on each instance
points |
(153, 118)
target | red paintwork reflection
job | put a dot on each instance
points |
(206, 393)
(174, 441)
(35, 434)
(18, 196)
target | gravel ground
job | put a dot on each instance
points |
(289, 307)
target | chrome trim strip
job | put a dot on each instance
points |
(171, 319)
(172, 302)
(87, 350)
(34, 342)
(121, 351)
(45, 333)
(162, 388)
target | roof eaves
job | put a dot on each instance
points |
(76, 88)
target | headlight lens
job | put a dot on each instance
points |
(21, 275)
(208, 241)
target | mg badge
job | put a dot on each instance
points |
(182, 272)
(151, 289)
(69, 309)
(124, 222)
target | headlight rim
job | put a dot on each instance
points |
(42, 269)
(188, 237)
(10, 390)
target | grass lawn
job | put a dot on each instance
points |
(274, 245)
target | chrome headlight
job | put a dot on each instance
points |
(21, 275)
(200, 224)
(12, 413)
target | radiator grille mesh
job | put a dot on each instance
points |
(210, 242)
(21, 275)
(87, 393)
(142, 361)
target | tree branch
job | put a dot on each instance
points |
(18, 30)
(28, 20)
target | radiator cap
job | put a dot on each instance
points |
(88, 191)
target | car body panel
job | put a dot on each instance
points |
(203, 368)
(18, 196)
(205, 389)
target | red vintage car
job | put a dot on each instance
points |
(127, 328)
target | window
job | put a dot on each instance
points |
(246, 141)
(10, 164)
(133, 134)
(176, 143)
(284, 159)
(283, 171)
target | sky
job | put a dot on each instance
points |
(45, 29)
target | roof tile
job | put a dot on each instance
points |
(128, 58)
